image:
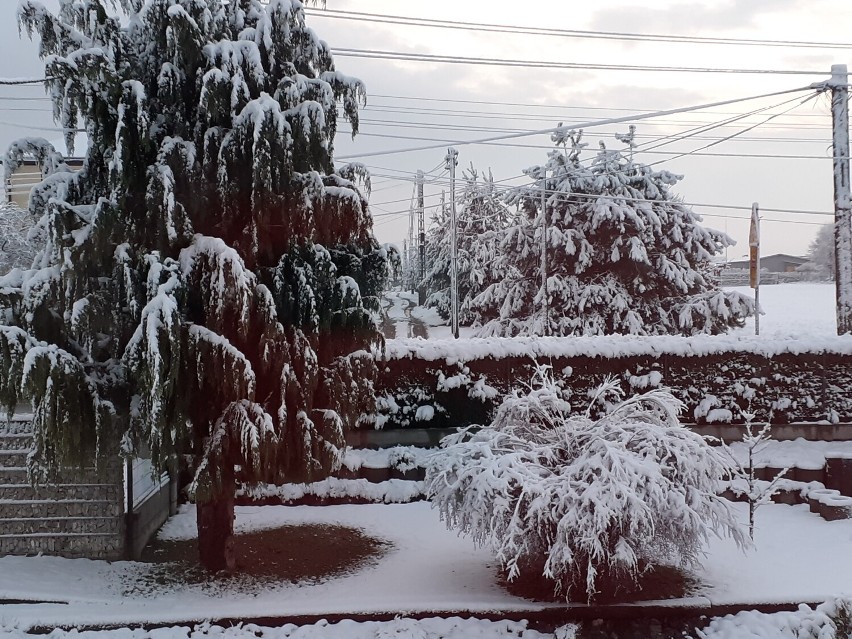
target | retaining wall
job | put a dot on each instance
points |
(83, 514)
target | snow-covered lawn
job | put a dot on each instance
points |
(798, 557)
(801, 309)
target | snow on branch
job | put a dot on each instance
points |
(244, 434)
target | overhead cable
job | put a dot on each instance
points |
(569, 33)
(579, 125)
(377, 54)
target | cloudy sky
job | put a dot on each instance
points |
(779, 157)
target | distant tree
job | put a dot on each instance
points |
(821, 251)
(481, 218)
(623, 255)
(208, 279)
(19, 238)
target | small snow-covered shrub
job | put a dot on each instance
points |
(585, 503)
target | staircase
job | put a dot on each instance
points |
(81, 516)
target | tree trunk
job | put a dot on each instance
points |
(216, 532)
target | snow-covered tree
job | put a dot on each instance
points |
(208, 277)
(821, 251)
(744, 470)
(586, 504)
(623, 255)
(481, 216)
(19, 238)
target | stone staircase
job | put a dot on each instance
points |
(81, 516)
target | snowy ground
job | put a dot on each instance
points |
(798, 557)
(801, 309)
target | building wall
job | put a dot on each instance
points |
(20, 183)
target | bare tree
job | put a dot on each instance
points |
(821, 251)
(19, 240)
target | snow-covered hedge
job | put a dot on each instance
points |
(442, 383)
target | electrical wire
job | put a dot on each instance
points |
(583, 125)
(377, 54)
(570, 33)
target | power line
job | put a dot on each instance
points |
(580, 125)
(569, 33)
(404, 109)
(408, 124)
(377, 54)
(518, 104)
(769, 156)
(745, 130)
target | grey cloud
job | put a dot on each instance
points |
(688, 17)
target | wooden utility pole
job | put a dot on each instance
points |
(842, 223)
(754, 263)
(452, 161)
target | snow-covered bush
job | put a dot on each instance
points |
(585, 503)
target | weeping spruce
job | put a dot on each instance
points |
(208, 285)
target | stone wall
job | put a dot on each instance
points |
(82, 515)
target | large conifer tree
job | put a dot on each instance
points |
(209, 277)
(624, 255)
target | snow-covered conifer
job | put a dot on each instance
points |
(481, 217)
(208, 279)
(624, 255)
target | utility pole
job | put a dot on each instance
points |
(754, 263)
(421, 238)
(842, 222)
(452, 162)
(545, 302)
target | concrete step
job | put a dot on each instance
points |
(13, 458)
(45, 508)
(90, 545)
(110, 492)
(19, 441)
(57, 525)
